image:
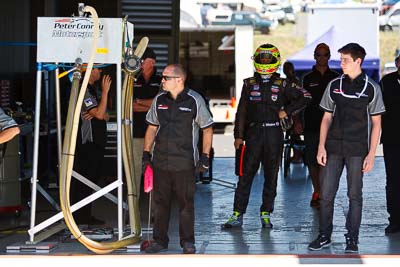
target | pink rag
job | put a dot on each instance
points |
(148, 179)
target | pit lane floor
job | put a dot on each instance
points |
(295, 225)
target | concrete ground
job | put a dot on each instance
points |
(295, 225)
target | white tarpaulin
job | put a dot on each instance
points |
(65, 39)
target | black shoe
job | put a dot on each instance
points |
(189, 248)
(392, 228)
(321, 242)
(351, 244)
(154, 247)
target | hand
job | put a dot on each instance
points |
(238, 142)
(106, 117)
(203, 164)
(321, 156)
(282, 114)
(286, 123)
(105, 84)
(368, 163)
(87, 116)
(146, 160)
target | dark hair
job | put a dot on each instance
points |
(322, 45)
(354, 50)
(149, 53)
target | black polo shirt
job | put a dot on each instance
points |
(315, 83)
(94, 130)
(352, 102)
(390, 85)
(179, 122)
(144, 90)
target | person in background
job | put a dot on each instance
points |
(8, 127)
(297, 129)
(349, 135)
(264, 109)
(390, 85)
(145, 89)
(315, 83)
(90, 143)
(175, 117)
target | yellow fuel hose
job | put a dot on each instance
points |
(67, 160)
(127, 148)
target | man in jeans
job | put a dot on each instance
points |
(349, 135)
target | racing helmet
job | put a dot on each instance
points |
(266, 53)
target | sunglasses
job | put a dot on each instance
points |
(321, 55)
(168, 78)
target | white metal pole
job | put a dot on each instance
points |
(36, 147)
(58, 114)
(119, 150)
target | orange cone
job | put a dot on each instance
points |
(233, 102)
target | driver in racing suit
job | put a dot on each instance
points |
(264, 112)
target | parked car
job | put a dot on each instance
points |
(388, 68)
(391, 19)
(386, 5)
(244, 18)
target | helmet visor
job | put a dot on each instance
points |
(264, 57)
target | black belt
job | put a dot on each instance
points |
(265, 124)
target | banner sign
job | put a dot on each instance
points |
(65, 39)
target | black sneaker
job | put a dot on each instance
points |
(351, 244)
(392, 228)
(189, 248)
(154, 247)
(321, 242)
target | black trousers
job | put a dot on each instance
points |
(263, 145)
(183, 185)
(330, 179)
(392, 166)
(88, 163)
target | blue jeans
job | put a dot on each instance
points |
(329, 179)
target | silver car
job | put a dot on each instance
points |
(391, 19)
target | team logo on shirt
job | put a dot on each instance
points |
(185, 109)
(274, 89)
(256, 87)
(88, 102)
(274, 97)
(162, 106)
(255, 93)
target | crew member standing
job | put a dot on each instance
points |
(175, 117)
(390, 85)
(145, 89)
(315, 83)
(349, 135)
(90, 143)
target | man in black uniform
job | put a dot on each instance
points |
(390, 85)
(175, 117)
(145, 89)
(265, 103)
(90, 143)
(315, 83)
(349, 135)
